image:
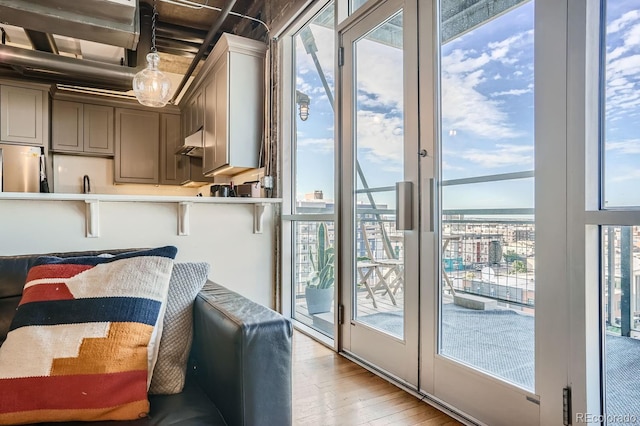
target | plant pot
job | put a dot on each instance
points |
(318, 299)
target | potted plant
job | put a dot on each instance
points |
(319, 290)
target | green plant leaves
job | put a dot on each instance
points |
(323, 275)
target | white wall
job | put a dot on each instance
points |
(68, 171)
(221, 234)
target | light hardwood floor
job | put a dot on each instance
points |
(329, 390)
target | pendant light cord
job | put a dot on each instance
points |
(153, 27)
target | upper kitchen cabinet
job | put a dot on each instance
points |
(234, 90)
(185, 119)
(197, 112)
(24, 115)
(173, 168)
(137, 150)
(193, 113)
(98, 129)
(82, 128)
(67, 126)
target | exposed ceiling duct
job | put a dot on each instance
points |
(61, 69)
(59, 30)
(113, 22)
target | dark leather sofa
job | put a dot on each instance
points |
(240, 364)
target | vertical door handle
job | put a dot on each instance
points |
(404, 205)
(432, 213)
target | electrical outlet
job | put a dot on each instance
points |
(267, 182)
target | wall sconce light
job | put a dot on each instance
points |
(151, 87)
(303, 102)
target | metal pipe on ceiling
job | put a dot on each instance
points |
(203, 48)
(175, 51)
(177, 45)
(59, 78)
(48, 65)
(180, 33)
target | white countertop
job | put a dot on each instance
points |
(134, 198)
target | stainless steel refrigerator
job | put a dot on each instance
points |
(19, 168)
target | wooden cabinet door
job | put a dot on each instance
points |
(245, 110)
(198, 111)
(137, 148)
(172, 167)
(67, 126)
(184, 117)
(21, 115)
(98, 129)
(221, 76)
(209, 137)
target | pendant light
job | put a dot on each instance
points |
(151, 87)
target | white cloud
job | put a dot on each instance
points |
(631, 175)
(464, 106)
(379, 74)
(508, 50)
(460, 62)
(502, 156)
(623, 21)
(380, 138)
(632, 37)
(623, 66)
(512, 92)
(324, 145)
(448, 166)
(631, 146)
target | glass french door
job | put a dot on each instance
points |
(380, 189)
(525, 228)
(479, 264)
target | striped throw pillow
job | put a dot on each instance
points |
(84, 338)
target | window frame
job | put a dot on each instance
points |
(287, 148)
(586, 213)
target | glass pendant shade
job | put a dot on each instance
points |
(151, 87)
(304, 112)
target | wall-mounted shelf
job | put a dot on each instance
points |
(184, 205)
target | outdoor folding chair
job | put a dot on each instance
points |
(381, 262)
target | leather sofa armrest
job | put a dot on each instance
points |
(241, 357)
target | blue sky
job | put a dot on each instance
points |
(622, 140)
(487, 111)
(487, 121)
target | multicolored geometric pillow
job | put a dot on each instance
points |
(80, 346)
